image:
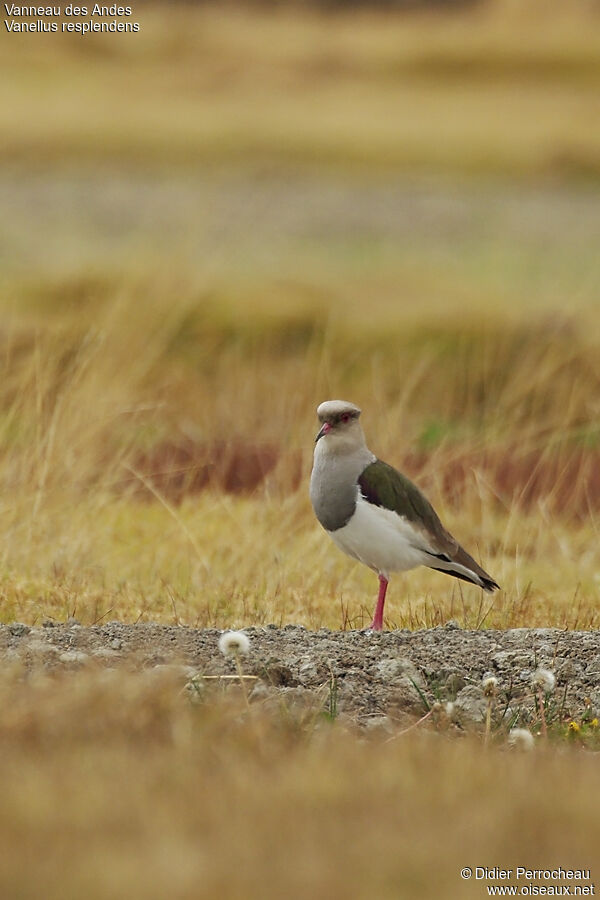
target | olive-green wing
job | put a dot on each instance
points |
(384, 486)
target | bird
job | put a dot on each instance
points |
(374, 513)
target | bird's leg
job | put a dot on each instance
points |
(377, 623)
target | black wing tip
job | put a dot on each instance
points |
(482, 581)
(489, 585)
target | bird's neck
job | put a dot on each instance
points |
(342, 451)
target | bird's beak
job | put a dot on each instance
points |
(324, 430)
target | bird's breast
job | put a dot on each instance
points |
(334, 503)
(334, 489)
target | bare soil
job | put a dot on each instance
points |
(373, 679)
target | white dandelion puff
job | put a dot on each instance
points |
(490, 686)
(234, 643)
(544, 679)
(521, 739)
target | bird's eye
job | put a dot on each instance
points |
(346, 417)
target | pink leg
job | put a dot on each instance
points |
(377, 623)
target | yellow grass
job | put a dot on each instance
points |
(86, 389)
(150, 797)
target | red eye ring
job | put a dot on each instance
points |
(346, 417)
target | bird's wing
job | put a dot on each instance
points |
(384, 486)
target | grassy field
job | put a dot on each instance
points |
(207, 229)
(158, 414)
(506, 87)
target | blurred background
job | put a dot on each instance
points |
(212, 225)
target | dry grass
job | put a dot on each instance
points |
(153, 797)
(123, 440)
(503, 88)
(204, 234)
(93, 527)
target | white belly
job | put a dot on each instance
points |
(381, 539)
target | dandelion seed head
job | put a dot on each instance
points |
(521, 739)
(234, 643)
(437, 710)
(544, 679)
(490, 686)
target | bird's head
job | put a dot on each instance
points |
(339, 419)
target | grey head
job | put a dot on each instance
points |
(339, 418)
(341, 455)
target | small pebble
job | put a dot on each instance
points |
(73, 656)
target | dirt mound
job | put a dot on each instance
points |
(372, 678)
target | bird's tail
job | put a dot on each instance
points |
(463, 566)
